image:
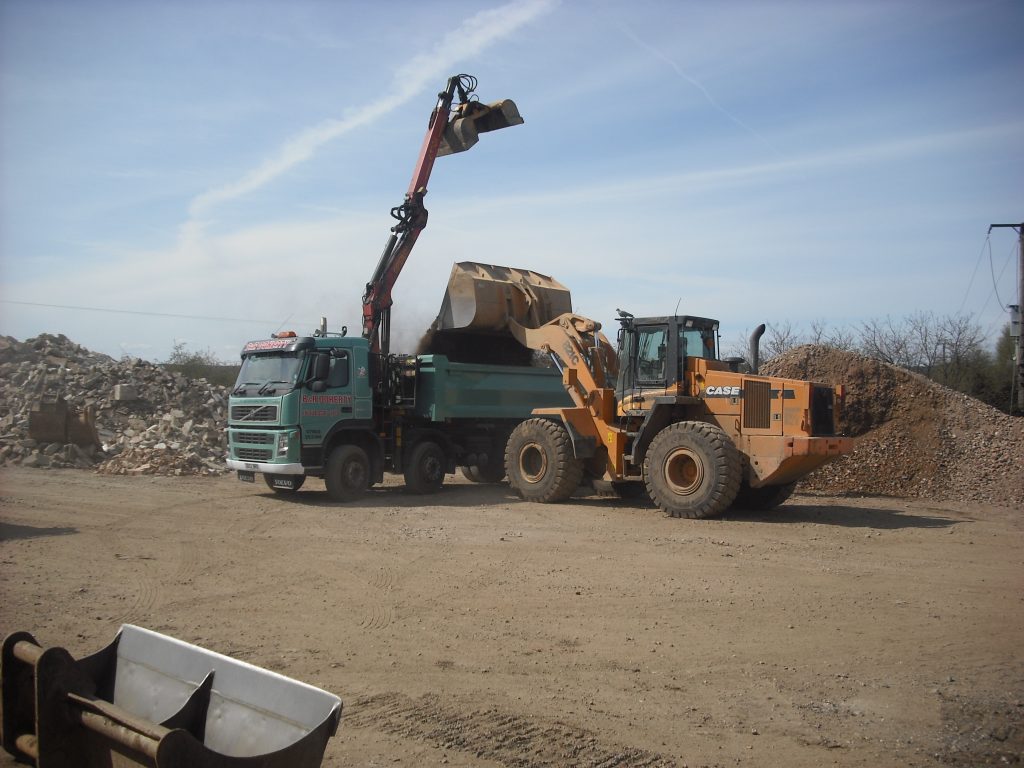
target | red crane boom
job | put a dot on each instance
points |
(446, 134)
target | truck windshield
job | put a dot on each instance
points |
(268, 372)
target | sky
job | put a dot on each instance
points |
(206, 173)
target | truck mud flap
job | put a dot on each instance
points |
(151, 700)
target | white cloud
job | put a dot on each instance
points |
(469, 39)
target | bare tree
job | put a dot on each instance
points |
(780, 338)
(961, 343)
(921, 330)
(885, 340)
(835, 338)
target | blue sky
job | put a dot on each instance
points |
(218, 170)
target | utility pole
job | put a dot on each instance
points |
(1016, 310)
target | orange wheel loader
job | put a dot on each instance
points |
(664, 414)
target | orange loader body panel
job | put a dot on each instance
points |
(770, 422)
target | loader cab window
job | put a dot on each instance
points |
(651, 354)
(697, 342)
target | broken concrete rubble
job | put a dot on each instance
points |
(149, 420)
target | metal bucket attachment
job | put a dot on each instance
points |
(474, 118)
(483, 297)
(149, 699)
(52, 420)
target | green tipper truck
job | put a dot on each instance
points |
(324, 406)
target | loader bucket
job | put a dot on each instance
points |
(151, 700)
(484, 297)
(474, 118)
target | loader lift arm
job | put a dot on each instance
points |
(450, 130)
(575, 344)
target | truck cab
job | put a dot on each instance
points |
(292, 393)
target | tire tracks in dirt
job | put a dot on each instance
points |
(157, 577)
(512, 740)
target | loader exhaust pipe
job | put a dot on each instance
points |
(755, 348)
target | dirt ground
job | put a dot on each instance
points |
(473, 629)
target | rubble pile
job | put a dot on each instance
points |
(148, 420)
(917, 438)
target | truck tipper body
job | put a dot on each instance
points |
(326, 406)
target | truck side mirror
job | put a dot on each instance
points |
(321, 367)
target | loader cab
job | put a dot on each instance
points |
(653, 352)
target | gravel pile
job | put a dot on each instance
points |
(148, 420)
(918, 438)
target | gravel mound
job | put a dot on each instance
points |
(149, 420)
(918, 439)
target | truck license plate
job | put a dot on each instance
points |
(246, 477)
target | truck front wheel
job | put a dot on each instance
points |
(692, 469)
(424, 472)
(348, 473)
(540, 462)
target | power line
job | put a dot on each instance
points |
(992, 271)
(995, 290)
(142, 312)
(977, 264)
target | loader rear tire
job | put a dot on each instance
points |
(298, 480)
(540, 462)
(764, 498)
(424, 471)
(692, 469)
(347, 474)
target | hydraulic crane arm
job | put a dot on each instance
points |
(450, 130)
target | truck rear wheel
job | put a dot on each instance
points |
(763, 498)
(540, 463)
(347, 474)
(295, 481)
(424, 472)
(692, 469)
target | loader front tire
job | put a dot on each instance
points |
(347, 474)
(540, 463)
(692, 469)
(424, 472)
